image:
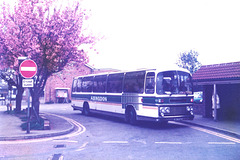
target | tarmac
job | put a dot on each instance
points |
(10, 129)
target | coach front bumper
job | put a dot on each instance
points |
(166, 118)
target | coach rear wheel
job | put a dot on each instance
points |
(86, 110)
(130, 116)
(133, 119)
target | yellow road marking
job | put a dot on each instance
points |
(210, 132)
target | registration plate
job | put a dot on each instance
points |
(178, 119)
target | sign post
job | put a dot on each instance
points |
(28, 70)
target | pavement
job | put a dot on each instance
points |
(231, 128)
(10, 127)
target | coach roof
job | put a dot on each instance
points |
(138, 70)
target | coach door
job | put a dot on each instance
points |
(133, 88)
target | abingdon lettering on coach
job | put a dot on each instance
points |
(99, 98)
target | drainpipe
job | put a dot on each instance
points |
(215, 101)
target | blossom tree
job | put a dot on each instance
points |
(46, 32)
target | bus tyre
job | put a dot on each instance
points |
(130, 116)
(133, 119)
(86, 110)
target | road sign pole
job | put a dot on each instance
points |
(28, 113)
(28, 69)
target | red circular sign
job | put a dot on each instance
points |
(28, 68)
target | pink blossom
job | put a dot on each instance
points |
(44, 33)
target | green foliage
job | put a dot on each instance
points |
(34, 124)
(189, 61)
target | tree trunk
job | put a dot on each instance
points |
(18, 102)
(35, 104)
(19, 96)
(37, 90)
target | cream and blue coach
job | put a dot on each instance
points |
(151, 94)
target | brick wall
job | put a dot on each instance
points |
(63, 79)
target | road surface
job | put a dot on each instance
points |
(111, 138)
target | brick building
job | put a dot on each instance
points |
(224, 80)
(63, 81)
(60, 82)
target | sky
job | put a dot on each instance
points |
(152, 33)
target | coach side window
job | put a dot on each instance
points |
(114, 83)
(79, 85)
(74, 86)
(134, 82)
(150, 83)
(87, 84)
(99, 83)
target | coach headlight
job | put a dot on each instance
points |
(189, 108)
(164, 109)
(167, 109)
(162, 114)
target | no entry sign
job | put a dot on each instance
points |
(28, 68)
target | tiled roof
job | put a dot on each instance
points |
(218, 72)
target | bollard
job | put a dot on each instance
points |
(10, 105)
